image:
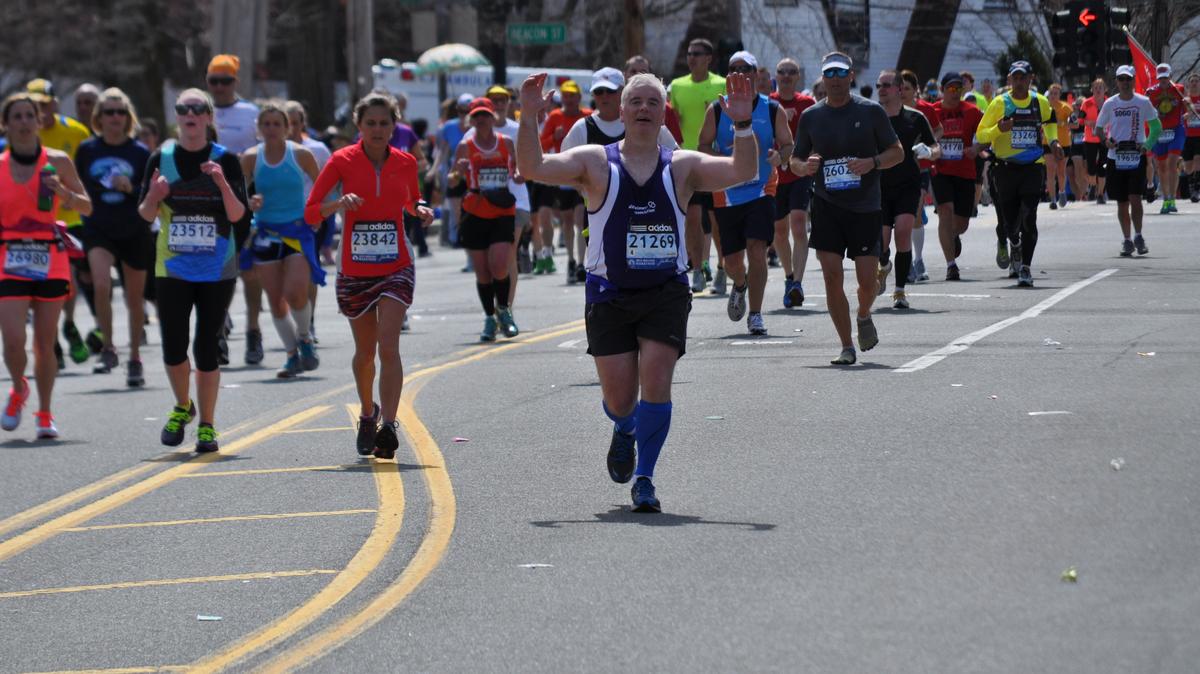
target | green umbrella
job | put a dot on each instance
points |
(448, 57)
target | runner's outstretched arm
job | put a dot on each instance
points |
(563, 168)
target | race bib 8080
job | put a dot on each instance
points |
(192, 234)
(838, 175)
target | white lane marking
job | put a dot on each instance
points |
(570, 344)
(963, 343)
(1047, 413)
(961, 296)
(760, 342)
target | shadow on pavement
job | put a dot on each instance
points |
(623, 515)
(44, 444)
(184, 456)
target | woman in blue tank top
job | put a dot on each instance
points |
(282, 247)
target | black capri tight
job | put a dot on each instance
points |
(175, 301)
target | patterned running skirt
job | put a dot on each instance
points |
(357, 295)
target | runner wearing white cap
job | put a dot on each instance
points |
(1121, 126)
(1169, 99)
(746, 211)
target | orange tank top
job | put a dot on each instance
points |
(19, 214)
(30, 249)
(490, 170)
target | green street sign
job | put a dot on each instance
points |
(537, 33)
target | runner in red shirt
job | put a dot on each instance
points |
(566, 202)
(489, 212)
(793, 193)
(375, 269)
(1171, 102)
(954, 178)
(1095, 155)
(1191, 145)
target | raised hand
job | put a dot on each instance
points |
(533, 101)
(738, 101)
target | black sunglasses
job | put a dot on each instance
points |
(787, 71)
(115, 112)
(220, 81)
(745, 70)
(194, 108)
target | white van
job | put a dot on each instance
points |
(422, 90)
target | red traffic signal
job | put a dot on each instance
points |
(1086, 17)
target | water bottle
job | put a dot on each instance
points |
(45, 198)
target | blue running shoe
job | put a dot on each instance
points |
(489, 330)
(308, 355)
(644, 500)
(621, 457)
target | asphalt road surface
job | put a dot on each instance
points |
(1003, 485)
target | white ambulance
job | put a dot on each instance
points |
(422, 90)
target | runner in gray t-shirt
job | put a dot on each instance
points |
(844, 141)
(859, 128)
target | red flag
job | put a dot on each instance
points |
(1143, 65)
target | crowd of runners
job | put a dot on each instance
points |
(641, 186)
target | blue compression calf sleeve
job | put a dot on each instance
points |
(654, 421)
(625, 425)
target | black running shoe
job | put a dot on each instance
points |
(386, 441)
(254, 347)
(95, 341)
(621, 457)
(368, 427)
(644, 500)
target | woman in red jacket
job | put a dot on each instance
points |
(375, 262)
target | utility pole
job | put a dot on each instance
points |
(635, 28)
(236, 30)
(360, 46)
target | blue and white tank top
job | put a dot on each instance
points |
(636, 235)
(281, 185)
(762, 121)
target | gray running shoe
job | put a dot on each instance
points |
(133, 374)
(719, 283)
(868, 337)
(737, 303)
(754, 322)
(846, 357)
(106, 361)
(920, 266)
(254, 347)
(1025, 279)
(1014, 262)
(1140, 244)
(1126, 248)
(1062, 199)
(698, 282)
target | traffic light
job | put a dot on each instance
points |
(1118, 43)
(1092, 35)
(1062, 36)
